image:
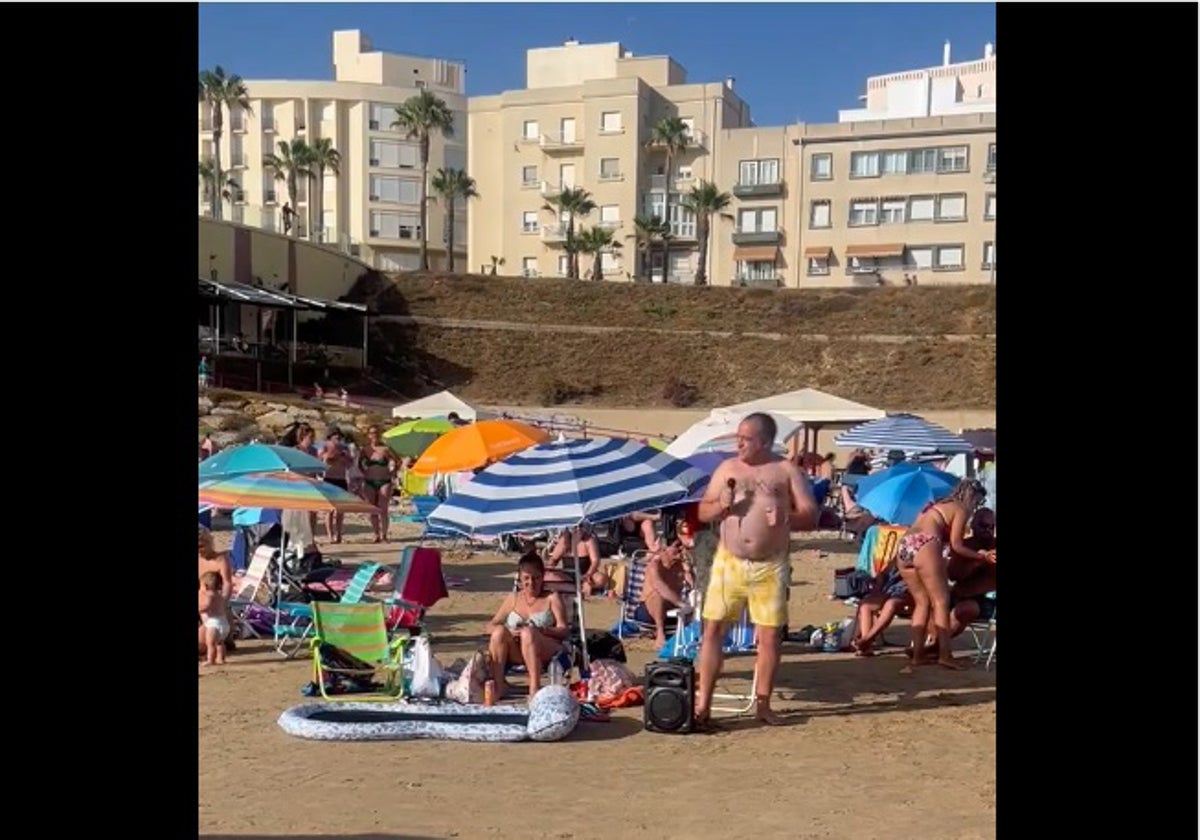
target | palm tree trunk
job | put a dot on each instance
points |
(450, 234)
(216, 199)
(702, 260)
(666, 250)
(572, 255)
(318, 201)
(597, 267)
(294, 230)
(424, 202)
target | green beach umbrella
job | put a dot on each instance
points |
(413, 437)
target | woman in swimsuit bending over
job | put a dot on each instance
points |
(921, 560)
(529, 627)
(378, 463)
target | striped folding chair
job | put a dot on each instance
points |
(351, 650)
(983, 634)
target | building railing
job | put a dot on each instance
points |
(271, 219)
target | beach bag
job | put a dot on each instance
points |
(468, 686)
(426, 671)
(610, 678)
(850, 583)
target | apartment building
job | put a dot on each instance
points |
(584, 120)
(951, 89)
(906, 201)
(371, 206)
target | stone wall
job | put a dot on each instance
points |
(233, 418)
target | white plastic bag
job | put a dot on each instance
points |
(426, 672)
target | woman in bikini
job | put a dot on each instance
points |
(921, 559)
(336, 456)
(378, 463)
(529, 627)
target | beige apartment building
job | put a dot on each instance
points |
(584, 120)
(859, 202)
(371, 207)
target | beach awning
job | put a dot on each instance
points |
(875, 251)
(808, 405)
(440, 405)
(818, 252)
(273, 298)
(757, 253)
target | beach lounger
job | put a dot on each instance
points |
(351, 649)
(631, 598)
(983, 635)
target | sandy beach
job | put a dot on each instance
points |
(865, 752)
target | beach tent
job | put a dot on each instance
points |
(810, 407)
(440, 404)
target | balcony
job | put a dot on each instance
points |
(696, 139)
(532, 184)
(611, 177)
(568, 143)
(757, 236)
(550, 188)
(681, 182)
(609, 224)
(765, 190)
(554, 233)
(238, 161)
(772, 281)
(268, 125)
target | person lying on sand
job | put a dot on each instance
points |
(529, 627)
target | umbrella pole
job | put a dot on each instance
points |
(587, 664)
(279, 584)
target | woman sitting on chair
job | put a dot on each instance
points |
(529, 627)
(587, 549)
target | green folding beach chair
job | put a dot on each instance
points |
(351, 653)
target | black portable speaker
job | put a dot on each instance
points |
(670, 696)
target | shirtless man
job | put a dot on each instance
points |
(662, 589)
(758, 498)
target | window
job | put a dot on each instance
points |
(864, 165)
(610, 169)
(610, 215)
(239, 215)
(690, 124)
(381, 117)
(683, 173)
(655, 206)
(822, 167)
(952, 159)
(892, 211)
(920, 208)
(818, 214)
(454, 157)
(562, 265)
(237, 154)
(328, 112)
(991, 160)
(920, 258)
(394, 190)
(608, 263)
(863, 212)
(756, 270)
(610, 122)
(894, 163)
(818, 266)
(922, 160)
(389, 154)
(529, 221)
(385, 225)
(948, 258)
(566, 129)
(952, 207)
(989, 206)
(756, 220)
(529, 176)
(989, 255)
(529, 130)
(529, 266)
(753, 172)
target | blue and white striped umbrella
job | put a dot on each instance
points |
(566, 483)
(906, 432)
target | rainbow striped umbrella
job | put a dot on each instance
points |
(281, 491)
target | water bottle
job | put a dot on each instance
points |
(556, 672)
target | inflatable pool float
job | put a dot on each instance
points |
(551, 716)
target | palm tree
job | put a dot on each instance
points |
(323, 157)
(597, 241)
(496, 261)
(573, 202)
(648, 230)
(419, 117)
(452, 184)
(671, 135)
(705, 199)
(208, 180)
(292, 163)
(220, 92)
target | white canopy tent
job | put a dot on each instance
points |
(439, 405)
(810, 407)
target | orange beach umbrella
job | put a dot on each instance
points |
(477, 445)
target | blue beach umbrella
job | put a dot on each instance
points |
(898, 494)
(906, 432)
(259, 458)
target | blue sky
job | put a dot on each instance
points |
(791, 61)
